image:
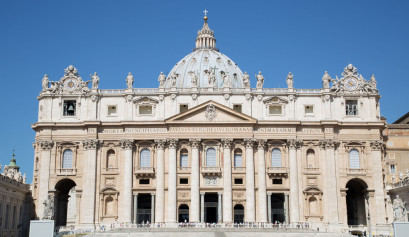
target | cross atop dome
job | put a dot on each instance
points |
(205, 37)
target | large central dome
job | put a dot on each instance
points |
(206, 65)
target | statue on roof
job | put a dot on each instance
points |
(290, 80)
(246, 80)
(211, 75)
(260, 80)
(193, 79)
(45, 82)
(129, 80)
(95, 80)
(226, 79)
(162, 79)
(173, 79)
(326, 80)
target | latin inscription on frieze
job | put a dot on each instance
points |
(211, 129)
(275, 130)
(311, 130)
(146, 130)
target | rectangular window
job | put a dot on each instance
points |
(145, 109)
(237, 108)
(111, 110)
(392, 169)
(275, 110)
(351, 107)
(183, 181)
(144, 181)
(309, 110)
(238, 181)
(69, 107)
(277, 181)
(183, 108)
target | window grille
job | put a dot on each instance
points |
(276, 158)
(145, 158)
(67, 159)
(354, 159)
(211, 157)
(351, 107)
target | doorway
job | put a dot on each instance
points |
(210, 206)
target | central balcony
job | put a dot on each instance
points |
(277, 171)
(350, 171)
(144, 171)
(211, 170)
(66, 172)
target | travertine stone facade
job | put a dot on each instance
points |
(206, 147)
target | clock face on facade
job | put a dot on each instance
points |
(351, 83)
(70, 84)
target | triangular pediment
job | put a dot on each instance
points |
(211, 112)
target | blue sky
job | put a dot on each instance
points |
(147, 37)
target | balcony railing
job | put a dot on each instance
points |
(311, 170)
(277, 171)
(184, 169)
(355, 171)
(211, 170)
(239, 169)
(71, 171)
(110, 170)
(144, 171)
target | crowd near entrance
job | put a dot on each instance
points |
(238, 213)
(144, 208)
(183, 213)
(210, 207)
(277, 208)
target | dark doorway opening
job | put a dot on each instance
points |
(61, 200)
(238, 213)
(183, 213)
(356, 202)
(144, 208)
(211, 205)
(277, 208)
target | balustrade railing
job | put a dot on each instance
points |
(70, 171)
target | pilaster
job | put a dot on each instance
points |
(160, 181)
(46, 147)
(195, 182)
(227, 182)
(262, 187)
(250, 202)
(127, 145)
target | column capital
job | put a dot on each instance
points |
(160, 143)
(46, 145)
(227, 142)
(220, 193)
(91, 144)
(261, 143)
(249, 142)
(329, 144)
(126, 144)
(172, 142)
(194, 142)
(377, 145)
(202, 193)
(153, 194)
(294, 143)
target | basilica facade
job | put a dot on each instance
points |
(206, 146)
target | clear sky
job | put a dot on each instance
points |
(147, 37)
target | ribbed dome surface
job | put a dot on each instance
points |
(202, 60)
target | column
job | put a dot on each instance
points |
(219, 208)
(331, 181)
(294, 212)
(380, 214)
(286, 207)
(46, 147)
(127, 182)
(171, 219)
(94, 100)
(195, 182)
(78, 194)
(160, 181)
(269, 207)
(227, 184)
(152, 207)
(202, 207)
(262, 187)
(135, 208)
(89, 183)
(250, 202)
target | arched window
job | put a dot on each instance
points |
(211, 157)
(276, 158)
(238, 160)
(145, 158)
(310, 158)
(313, 205)
(109, 206)
(354, 159)
(111, 159)
(184, 158)
(67, 159)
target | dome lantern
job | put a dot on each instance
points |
(205, 37)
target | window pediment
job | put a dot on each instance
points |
(276, 100)
(144, 100)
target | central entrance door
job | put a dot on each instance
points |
(210, 206)
(144, 208)
(277, 208)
